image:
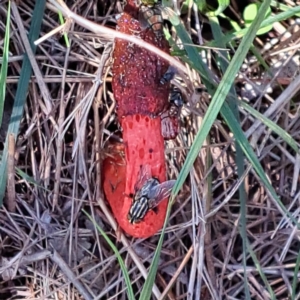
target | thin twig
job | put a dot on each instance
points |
(56, 258)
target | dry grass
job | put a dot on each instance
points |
(50, 250)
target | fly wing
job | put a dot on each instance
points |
(160, 192)
(143, 175)
(143, 19)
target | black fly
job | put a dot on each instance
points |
(150, 15)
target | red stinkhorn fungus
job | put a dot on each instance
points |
(137, 72)
(141, 98)
(120, 178)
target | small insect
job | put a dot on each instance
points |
(150, 15)
(176, 103)
(169, 75)
(170, 119)
(149, 192)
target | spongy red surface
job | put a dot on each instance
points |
(140, 97)
(137, 72)
(143, 145)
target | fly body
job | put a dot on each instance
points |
(169, 75)
(176, 103)
(150, 15)
(138, 210)
(149, 192)
(146, 188)
(170, 119)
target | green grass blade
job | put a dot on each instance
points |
(201, 4)
(260, 271)
(62, 21)
(147, 288)
(273, 126)
(244, 145)
(295, 283)
(218, 36)
(30, 179)
(253, 49)
(269, 21)
(118, 256)
(21, 94)
(220, 96)
(208, 120)
(194, 60)
(223, 4)
(4, 66)
(280, 6)
(249, 153)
